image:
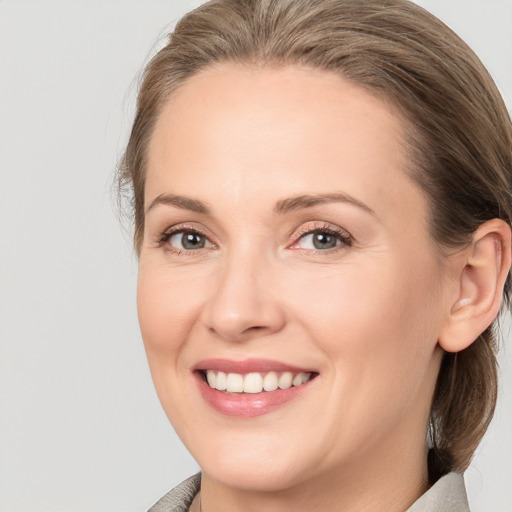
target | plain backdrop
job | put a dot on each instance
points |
(80, 425)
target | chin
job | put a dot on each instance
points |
(254, 459)
(270, 475)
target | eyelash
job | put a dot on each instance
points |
(342, 236)
(167, 235)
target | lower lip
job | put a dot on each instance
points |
(247, 405)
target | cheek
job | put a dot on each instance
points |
(167, 308)
(356, 299)
(378, 334)
(374, 322)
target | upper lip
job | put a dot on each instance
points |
(247, 366)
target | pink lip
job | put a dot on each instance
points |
(246, 405)
(247, 366)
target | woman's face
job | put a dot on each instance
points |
(285, 244)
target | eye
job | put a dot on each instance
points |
(188, 241)
(322, 238)
(183, 240)
(319, 240)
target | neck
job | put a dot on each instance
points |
(390, 483)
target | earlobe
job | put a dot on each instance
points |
(480, 286)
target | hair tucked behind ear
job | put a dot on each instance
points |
(463, 405)
(459, 138)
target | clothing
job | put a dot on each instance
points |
(448, 494)
(180, 498)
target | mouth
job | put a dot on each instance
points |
(252, 387)
(255, 382)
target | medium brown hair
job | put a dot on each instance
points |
(460, 139)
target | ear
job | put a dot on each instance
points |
(480, 286)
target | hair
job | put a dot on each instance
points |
(460, 140)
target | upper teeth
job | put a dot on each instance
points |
(254, 382)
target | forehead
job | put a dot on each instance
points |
(276, 131)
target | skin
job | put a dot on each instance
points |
(367, 315)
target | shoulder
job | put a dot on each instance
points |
(448, 494)
(180, 498)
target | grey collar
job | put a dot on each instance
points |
(448, 494)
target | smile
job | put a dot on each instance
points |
(255, 382)
(252, 387)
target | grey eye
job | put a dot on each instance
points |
(324, 241)
(188, 240)
(319, 240)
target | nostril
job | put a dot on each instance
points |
(255, 328)
(238, 333)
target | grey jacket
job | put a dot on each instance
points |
(447, 495)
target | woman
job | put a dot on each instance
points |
(322, 206)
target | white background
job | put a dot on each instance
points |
(80, 425)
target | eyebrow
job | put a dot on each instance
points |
(185, 203)
(307, 201)
(282, 206)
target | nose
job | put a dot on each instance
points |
(244, 304)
